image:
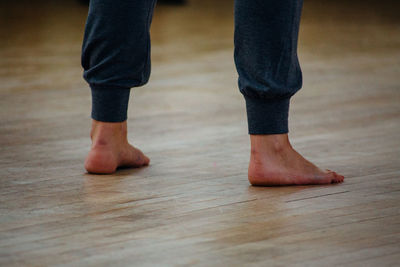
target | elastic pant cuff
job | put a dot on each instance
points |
(109, 103)
(267, 116)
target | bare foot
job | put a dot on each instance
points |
(110, 149)
(273, 161)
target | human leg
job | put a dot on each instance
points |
(115, 58)
(266, 35)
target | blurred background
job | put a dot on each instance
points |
(46, 34)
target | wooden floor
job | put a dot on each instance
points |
(193, 205)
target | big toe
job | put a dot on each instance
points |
(146, 160)
(335, 177)
(136, 158)
(338, 178)
(143, 159)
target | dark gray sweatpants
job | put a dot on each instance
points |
(116, 57)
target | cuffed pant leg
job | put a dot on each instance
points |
(267, 116)
(110, 104)
(266, 35)
(116, 54)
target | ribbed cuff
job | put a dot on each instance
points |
(109, 103)
(267, 116)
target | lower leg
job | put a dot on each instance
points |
(269, 74)
(115, 58)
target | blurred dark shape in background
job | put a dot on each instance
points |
(167, 2)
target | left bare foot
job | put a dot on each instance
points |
(110, 149)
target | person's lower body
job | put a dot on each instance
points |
(116, 57)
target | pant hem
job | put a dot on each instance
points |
(109, 103)
(267, 116)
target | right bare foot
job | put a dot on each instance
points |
(273, 161)
(110, 149)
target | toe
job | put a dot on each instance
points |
(326, 178)
(139, 159)
(331, 177)
(338, 178)
(146, 160)
(334, 177)
(142, 159)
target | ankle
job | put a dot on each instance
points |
(105, 133)
(269, 144)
